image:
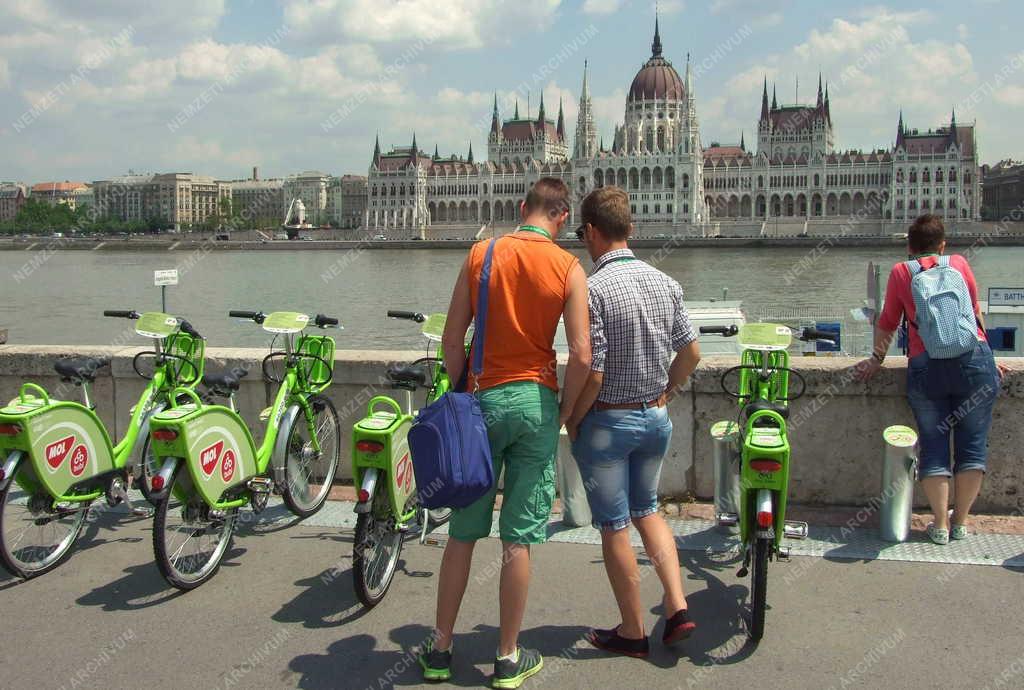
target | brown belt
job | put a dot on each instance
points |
(660, 401)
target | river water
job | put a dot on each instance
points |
(61, 300)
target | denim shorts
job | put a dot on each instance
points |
(619, 453)
(953, 397)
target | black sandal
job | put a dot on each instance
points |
(678, 627)
(611, 641)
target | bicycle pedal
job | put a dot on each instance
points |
(727, 519)
(261, 485)
(265, 413)
(795, 529)
(142, 512)
(743, 572)
(783, 554)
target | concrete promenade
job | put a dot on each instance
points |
(281, 613)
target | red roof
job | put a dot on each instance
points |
(795, 117)
(728, 151)
(54, 187)
(657, 79)
(527, 130)
(937, 142)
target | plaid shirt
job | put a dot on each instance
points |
(637, 323)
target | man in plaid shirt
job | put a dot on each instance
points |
(644, 349)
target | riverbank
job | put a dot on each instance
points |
(189, 245)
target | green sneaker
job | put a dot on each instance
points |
(437, 665)
(509, 674)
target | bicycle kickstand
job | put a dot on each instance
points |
(425, 519)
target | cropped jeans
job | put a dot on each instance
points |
(953, 398)
(619, 453)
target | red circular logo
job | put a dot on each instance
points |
(79, 459)
(227, 465)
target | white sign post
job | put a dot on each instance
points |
(162, 278)
(1006, 297)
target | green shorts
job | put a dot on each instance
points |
(522, 426)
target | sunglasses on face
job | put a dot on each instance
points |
(581, 231)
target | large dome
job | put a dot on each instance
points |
(656, 79)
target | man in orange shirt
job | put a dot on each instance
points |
(533, 282)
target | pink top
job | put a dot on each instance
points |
(899, 301)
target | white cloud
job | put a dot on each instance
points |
(962, 32)
(457, 24)
(1010, 95)
(872, 63)
(601, 6)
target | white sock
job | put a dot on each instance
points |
(513, 657)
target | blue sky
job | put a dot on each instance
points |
(91, 88)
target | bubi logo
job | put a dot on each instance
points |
(209, 456)
(58, 450)
(403, 474)
(79, 459)
(227, 466)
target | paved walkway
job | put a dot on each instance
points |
(282, 613)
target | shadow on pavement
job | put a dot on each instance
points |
(142, 587)
(327, 600)
(356, 659)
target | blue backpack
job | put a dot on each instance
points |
(945, 312)
(451, 455)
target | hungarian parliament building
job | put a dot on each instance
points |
(795, 174)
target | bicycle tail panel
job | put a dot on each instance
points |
(381, 440)
(765, 465)
(66, 443)
(216, 445)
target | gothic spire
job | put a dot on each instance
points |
(415, 150)
(495, 124)
(743, 143)
(437, 156)
(954, 136)
(656, 45)
(469, 158)
(585, 91)
(899, 131)
(540, 113)
(821, 99)
(775, 101)
(764, 101)
(516, 116)
(560, 128)
(376, 151)
(586, 132)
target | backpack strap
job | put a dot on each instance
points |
(914, 266)
(944, 260)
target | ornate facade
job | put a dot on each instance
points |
(658, 158)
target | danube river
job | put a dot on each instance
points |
(61, 301)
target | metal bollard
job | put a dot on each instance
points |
(899, 471)
(575, 507)
(725, 456)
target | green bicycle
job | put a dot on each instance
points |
(58, 456)
(388, 505)
(763, 395)
(210, 465)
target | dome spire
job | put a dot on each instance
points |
(656, 45)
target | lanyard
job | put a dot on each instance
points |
(921, 256)
(617, 260)
(534, 228)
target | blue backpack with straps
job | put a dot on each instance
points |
(945, 317)
(451, 454)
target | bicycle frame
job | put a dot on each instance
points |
(68, 449)
(206, 437)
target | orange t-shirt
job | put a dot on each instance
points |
(528, 289)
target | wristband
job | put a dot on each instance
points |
(878, 357)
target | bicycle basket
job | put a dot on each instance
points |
(311, 368)
(189, 348)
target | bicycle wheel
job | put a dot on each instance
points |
(190, 538)
(148, 468)
(34, 537)
(309, 474)
(759, 587)
(378, 544)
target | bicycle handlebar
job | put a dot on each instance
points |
(815, 334)
(410, 315)
(186, 328)
(121, 313)
(726, 331)
(324, 321)
(257, 316)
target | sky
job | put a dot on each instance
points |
(90, 89)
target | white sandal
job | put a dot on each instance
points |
(937, 535)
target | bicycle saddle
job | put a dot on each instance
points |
(758, 405)
(226, 383)
(415, 375)
(80, 368)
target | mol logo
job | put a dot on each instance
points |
(79, 459)
(227, 467)
(58, 450)
(209, 456)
